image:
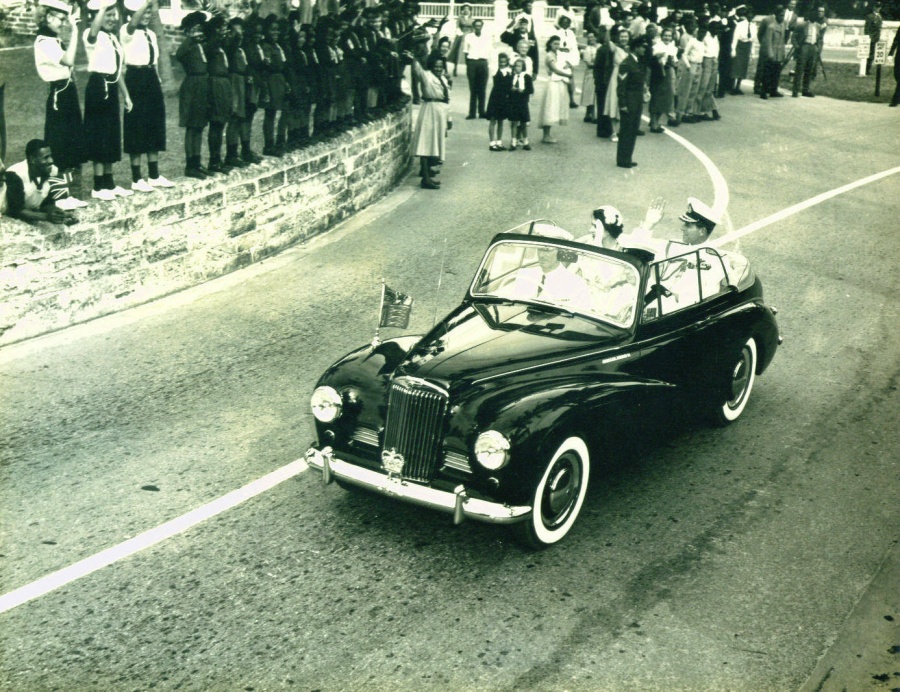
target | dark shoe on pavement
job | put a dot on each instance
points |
(470, 117)
(766, 96)
(627, 165)
(640, 133)
(656, 130)
(809, 94)
(195, 173)
(430, 184)
(716, 115)
(527, 147)
(776, 94)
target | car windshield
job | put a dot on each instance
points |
(576, 281)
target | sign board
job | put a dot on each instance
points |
(880, 53)
(862, 48)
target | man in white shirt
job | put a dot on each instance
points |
(477, 48)
(551, 282)
(28, 183)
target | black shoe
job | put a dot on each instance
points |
(736, 92)
(527, 147)
(626, 165)
(235, 162)
(656, 130)
(674, 122)
(430, 184)
(716, 115)
(766, 96)
(470, 117)
(251, 157)
(776, 94)
(809, 94)
(640, 133)
(195, 173)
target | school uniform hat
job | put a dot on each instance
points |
(94, 5)
(698, 212)
(193, 19)
(57, 5)
(134, 5)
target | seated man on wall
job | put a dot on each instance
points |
(30, 188)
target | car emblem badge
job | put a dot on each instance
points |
(392, 461)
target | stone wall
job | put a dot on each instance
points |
(136, 249)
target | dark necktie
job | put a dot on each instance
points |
(150, 47)
(541, 285)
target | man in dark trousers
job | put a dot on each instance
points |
(632, 73)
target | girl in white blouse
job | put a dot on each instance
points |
(63, 125)
(102, 122)
(144, 126)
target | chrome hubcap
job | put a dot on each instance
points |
(561, 490)
(739, 378)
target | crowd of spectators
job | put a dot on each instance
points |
(315, 74)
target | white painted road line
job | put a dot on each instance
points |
(80, 569)
(800, 206)
(721, 196)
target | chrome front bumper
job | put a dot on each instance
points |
(457, 503)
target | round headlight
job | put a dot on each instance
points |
(492, 450)
(326, 404)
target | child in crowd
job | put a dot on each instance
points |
(63, 129)
(588, 55)
(522, 48)
(220, 95)
(144, 126)
(238, 73)
(277, 88)
(193, 96)
(521, 89)
(102, 119)
(498, 102)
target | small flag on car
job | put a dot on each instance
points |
(395, 308)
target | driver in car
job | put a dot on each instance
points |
(552, 282)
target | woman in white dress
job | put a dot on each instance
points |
(429, 137)
(611, 106)
(555, 104)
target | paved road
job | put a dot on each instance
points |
(704, 559)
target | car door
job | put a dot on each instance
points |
(683, 301)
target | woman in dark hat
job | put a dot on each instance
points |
(276, 87)
(193, 96)
(220, 94)
(63, 126)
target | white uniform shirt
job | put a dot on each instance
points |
(48, 55)
(136, 46)
(710, 46)
(34, 195)
(477, 47)
(105, 54)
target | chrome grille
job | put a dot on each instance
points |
(457, 462)
(366, 436)
(414, 426)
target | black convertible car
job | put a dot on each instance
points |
(494, 414)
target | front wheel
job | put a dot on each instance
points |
(740, 377)
(558, 496)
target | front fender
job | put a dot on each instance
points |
(534, 421)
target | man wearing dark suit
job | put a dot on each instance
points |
(603, 68)
(632, 74)
(532, 36)
(772, 31)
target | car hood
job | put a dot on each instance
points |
(483, 340)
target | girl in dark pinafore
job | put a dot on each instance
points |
(193, 97)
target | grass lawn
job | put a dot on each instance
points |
(842, 81)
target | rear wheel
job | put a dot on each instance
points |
(558, 497)
(739, 383)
